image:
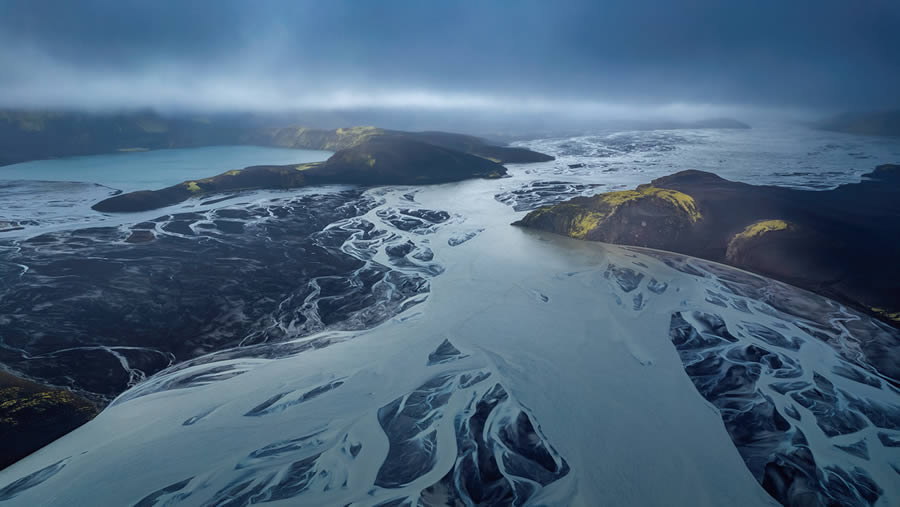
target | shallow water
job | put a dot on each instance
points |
(43, 195)
(146, 170)
(535, 370)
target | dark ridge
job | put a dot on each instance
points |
(877, 123)
(707, 123)
(375, 160)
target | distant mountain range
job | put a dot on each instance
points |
(32, 135)
(881, 123)
(709, 123)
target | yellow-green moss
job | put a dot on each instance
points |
(588, 214)
(760, 228)
(233, 172)
(304, 167)
(678, 199)
(193, 187)
(16, 399)
(356, 131)
(352, 136)
(540, 211)
(895, 316)
(585, 222)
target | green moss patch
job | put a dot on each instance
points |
(760, 228)
(679, 200)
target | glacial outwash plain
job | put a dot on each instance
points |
(381, 335)
(452, 253)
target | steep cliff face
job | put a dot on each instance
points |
(835, 242)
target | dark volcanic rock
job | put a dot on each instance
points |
(479, 147)
(502, 458)
(444, 353)
(140, 236)
(100, 309)
(343, 138)
(842, 243)
(734, 376)
(250, 177)
(32, 416)
(400, 250)
(397, 160)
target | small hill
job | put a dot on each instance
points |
(842, 243)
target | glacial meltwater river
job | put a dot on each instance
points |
(414, 348)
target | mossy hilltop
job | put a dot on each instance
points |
(838, 243)
(605, 217)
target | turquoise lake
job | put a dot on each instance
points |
(157, 168)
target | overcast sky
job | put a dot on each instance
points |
(584, 57)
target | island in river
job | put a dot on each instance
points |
(365, 156)
(837, 243)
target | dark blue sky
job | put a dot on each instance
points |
(596, 57)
